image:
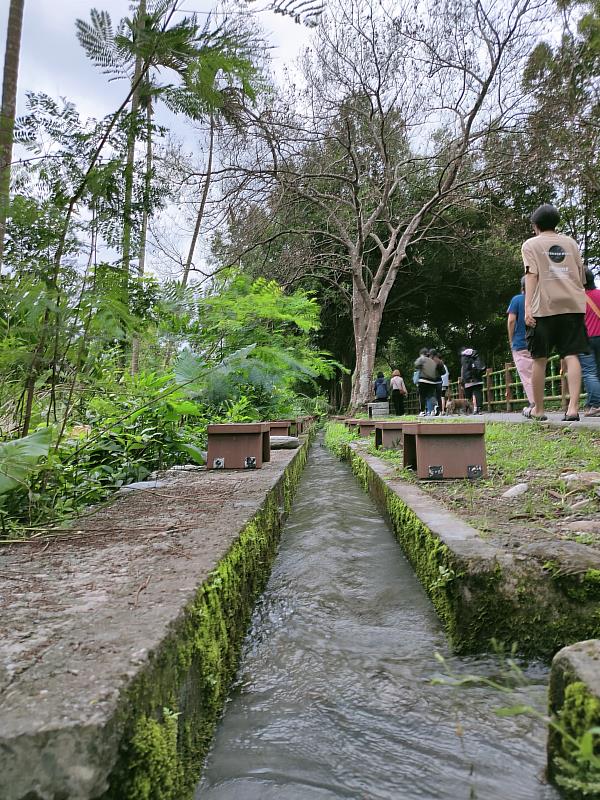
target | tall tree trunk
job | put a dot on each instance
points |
(135, 344)
(366, 319)
(7, 112)
(130, 162)
(203, 199)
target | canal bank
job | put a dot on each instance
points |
(120, 637)
(539, 597)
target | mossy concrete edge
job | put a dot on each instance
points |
(480, 591)
(169, 714)
(574, 700)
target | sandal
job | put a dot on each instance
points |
(570, 418)
(535, 418)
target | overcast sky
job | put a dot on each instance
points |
(53, 61)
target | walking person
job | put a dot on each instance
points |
(471, 377)
(441, 370)
(555, 306)
(590, 362)
(518, 344)
(428, 379)
(399, 392)
(445, 388)
(381, 389)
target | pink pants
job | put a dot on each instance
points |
(524, 364)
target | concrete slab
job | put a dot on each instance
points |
(85, 613)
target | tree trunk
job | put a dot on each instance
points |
(367, 321)
(7, 112)
(346, 391)
(190, 258)
(130, 163)
(135, 344)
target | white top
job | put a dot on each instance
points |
(445, 379)
(398, 383)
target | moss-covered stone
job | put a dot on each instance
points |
(170, 712)
(574, 739)
(533, 605)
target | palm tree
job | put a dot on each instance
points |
(7, 112)
(195, 56)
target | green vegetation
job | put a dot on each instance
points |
(108, 428)
(574, 730)
(541, 459)
(337, 436)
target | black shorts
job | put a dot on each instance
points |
(564, 333)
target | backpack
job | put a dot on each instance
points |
(476, 367)
(381, 391)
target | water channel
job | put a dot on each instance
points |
(333, 697)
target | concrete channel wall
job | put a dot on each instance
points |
(482, 592)
(117, 694)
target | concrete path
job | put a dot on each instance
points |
(554, 419)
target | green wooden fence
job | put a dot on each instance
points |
(503, 390)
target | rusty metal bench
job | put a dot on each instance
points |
(388, 434)
(238, 445)
(445, 450)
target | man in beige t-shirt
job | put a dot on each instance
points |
(554, 306)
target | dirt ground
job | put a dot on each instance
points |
(560, 485)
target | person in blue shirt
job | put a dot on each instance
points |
(518, 344)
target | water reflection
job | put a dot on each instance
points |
(333, 698)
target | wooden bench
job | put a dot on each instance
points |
(302, 425)
(238, 445)
(281, 427)
(388, 434)
(351, 423)
(437, 450)
(366, 427)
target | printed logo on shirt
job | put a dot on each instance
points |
(556, 254)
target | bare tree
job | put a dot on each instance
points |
(401, 106)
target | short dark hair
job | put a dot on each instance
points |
(546, 217)
(380, 374)
(590, 281)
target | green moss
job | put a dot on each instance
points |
(579, 587)
(161, 752)
(575, 748)
(154, 761)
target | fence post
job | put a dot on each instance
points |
(490, 387)
(508, 385)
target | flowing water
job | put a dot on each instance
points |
(333, 697)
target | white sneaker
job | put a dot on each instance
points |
(422, 413)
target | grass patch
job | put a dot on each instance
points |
(337, 435)
(532, 454)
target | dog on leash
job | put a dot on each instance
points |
(459, 406)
